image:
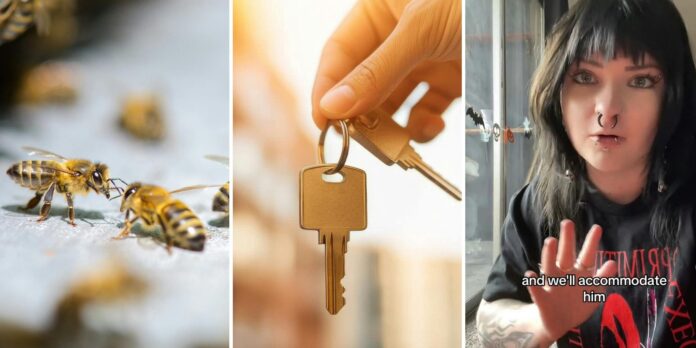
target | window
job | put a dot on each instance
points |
(496, 168)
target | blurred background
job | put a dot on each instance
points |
(403, 273)
(143, 87)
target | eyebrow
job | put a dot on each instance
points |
(628, 68)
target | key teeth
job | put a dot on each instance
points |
(340, 300)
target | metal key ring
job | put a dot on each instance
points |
(344, 150)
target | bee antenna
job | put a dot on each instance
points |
(114, 197)
(119, 189)
(119, 179)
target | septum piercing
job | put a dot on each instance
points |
(599, 120)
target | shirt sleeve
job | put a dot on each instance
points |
(520, 251)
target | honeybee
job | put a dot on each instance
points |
(141, 115)
(50, 82)
(16, 16)
(154, 205)
(221, 201)
(67, 176)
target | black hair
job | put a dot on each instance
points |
(633, 28)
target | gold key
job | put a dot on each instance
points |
(334, 208)
(387, 140)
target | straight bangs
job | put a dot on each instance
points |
(612, 28)
(618, 28)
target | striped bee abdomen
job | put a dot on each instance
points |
(35, 175)
(182, 226)
(20, 20)
(221, 201)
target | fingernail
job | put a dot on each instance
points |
(338, 100)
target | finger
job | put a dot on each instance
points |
(343, 52)
(608, 269)
(399, 95)
(537, 293)
(586, 259)
(548, 257)
(374, 78)
(566, 245)
(425, 121)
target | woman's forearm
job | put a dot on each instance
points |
(510, 323)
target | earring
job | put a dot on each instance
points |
(568, 173)
(662, 181)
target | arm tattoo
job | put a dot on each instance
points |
(496, 331)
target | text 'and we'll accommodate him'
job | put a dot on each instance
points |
(591, 296)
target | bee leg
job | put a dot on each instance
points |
(170, 243)
(71, 209)
(126, 229)
(33, 202)
(169, 248)
(46, 208)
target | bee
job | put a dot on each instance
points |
(141, 115)
(221, 201)
(67, 176)
(50, 82)
(16, 16)
(155, 206)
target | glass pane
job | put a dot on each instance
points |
(479, 153)
(523, 32)
(523, 28)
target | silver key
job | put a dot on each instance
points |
(387, 140)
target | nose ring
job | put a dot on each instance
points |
(599, 120)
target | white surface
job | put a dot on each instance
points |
(179, 48)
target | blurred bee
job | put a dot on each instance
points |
(67, 176)
(155, 206)
(16, 16)
(50, 82)
(141, 115)
(221, 201)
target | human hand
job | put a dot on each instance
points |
(561, 308)
(381, 51)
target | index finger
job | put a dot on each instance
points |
(353, 41)
(566, 245)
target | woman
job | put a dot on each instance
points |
(613, 105)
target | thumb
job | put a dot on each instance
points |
(372, 81)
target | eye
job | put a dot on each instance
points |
(584, 78)
(644, 81)
(97, 178)
(129, 193)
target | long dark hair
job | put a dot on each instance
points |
(609, 27)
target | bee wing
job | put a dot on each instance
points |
(43, 153)
(221, 159)
(42, 17)
(195, 187)
(43, 23)
(58, 169)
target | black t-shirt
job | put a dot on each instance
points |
(633, 316)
